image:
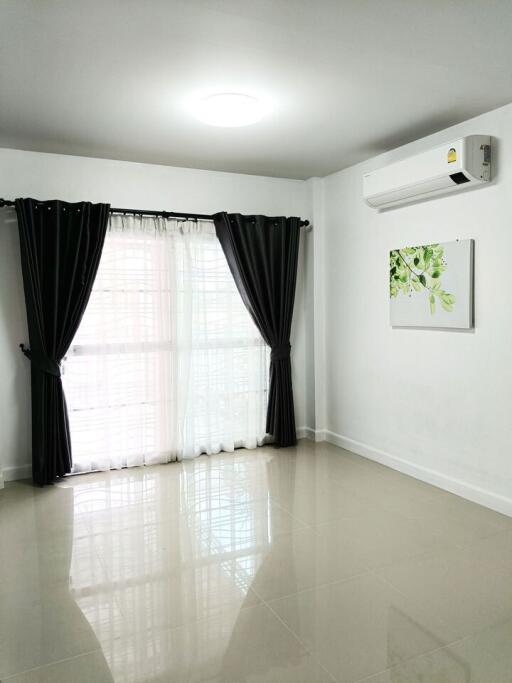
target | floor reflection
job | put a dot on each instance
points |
(302, 565)
(179, 545)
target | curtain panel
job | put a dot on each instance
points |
(60, 246)
(262, 254)
(167, 363)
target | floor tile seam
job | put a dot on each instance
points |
(330, 520)
(86, 515)
(261, 603)
(377, 572)
(370, 566)
(130, 631)
(364, 572)
(52, 663)
(437, 552)
(379, 508)
(119, 605)
(442, 621)
(370, 474)
(353, 538)
(367, 568)
(341, 487)
(408, 517)
(317, 528)
(112, 581)
(425, 553)
(324, 584)
(388, 584)
(138, 525)
(326, 522)
(352, 577)
(473, 515)
(56, 584)
(298, 639)
(143, 499)
(217, 559)
(467, 545)
(408, 660)
(293, 516)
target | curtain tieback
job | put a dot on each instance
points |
(41, 361)
(280, 352)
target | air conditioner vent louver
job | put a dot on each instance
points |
(441, 170)
(459, 178)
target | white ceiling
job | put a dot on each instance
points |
(348, 78)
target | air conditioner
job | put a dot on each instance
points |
(457, 165)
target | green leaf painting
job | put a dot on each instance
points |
(420, 269)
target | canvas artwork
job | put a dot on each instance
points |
(432, 285)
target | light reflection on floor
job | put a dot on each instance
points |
(304, 565)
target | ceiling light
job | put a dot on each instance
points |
(229, 110)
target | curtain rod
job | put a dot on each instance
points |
(164, 214)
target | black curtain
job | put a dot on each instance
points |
(60, 246)
(262, 254)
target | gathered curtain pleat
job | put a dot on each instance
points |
(262, 254)
(61, 245)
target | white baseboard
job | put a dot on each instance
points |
(309, 433)
(305, 433)
(471, 492)
(461, 488)
(320, 435)
(17, 472)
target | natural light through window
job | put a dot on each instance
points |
(167, 362)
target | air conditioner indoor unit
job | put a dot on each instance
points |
(464, 163)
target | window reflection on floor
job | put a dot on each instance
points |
(166, 547)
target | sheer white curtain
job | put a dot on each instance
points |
(167, 363)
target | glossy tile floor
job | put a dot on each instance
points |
(307, 565)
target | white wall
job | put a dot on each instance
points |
(436, 404)
(124, 184)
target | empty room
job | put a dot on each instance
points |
(255, 341)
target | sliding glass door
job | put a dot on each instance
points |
(167, 363)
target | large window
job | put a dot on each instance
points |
(167, 363)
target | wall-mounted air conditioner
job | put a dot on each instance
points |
(457, 165)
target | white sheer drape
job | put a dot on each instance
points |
(167, 363)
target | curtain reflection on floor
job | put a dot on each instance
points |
(57, 564)
(179, 544)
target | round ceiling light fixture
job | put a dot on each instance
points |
(229, 110)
